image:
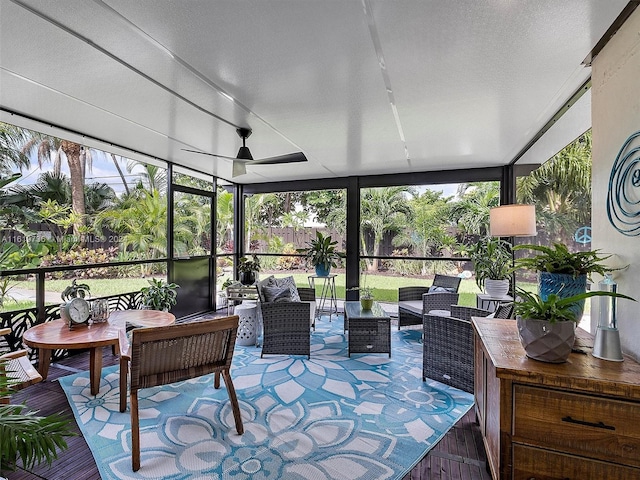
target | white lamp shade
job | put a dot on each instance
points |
(513, 221)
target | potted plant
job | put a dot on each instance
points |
(546, 326)
(248, 267)
(321, 253)
(562, 272)
(492, 260)
(366, 298)
(159, 295)
(75, 309)
(222, 294)
(24, 434)
(75, 290)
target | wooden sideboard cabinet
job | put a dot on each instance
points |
(541, 421)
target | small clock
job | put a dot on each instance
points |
(76, 311)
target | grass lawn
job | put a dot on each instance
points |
(385, 287)
(101, 287)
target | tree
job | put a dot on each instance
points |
(382, 210)
(561, 191)
(192, 223)
(140, 219)
(295, 220)
(471, 211)
(224, 219)
(77, 158)
(122, 177)
(10, 155)
(426, 233)
(328, 207)
(151, 177)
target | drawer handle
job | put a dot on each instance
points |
(588, 424)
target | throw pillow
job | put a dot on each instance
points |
(261, 284)
(433, 289)
(277, 294)
(291, 284)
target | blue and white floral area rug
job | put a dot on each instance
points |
(331, 417)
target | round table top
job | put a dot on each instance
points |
(141, 318)
(56, 334)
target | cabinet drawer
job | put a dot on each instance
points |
(537, 464)
(596, 427)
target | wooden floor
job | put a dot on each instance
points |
(459, 455)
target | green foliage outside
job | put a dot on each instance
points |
(422, 222)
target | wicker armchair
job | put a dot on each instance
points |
(163, 355)
(18, 369)
(448, 351)
(410, 300)
(504, 310)
(286, 327)
(465, 313)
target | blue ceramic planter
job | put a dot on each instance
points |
(321, 271)
(564, 286)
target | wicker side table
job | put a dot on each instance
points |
(369, 330)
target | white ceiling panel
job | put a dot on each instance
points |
(362, 87)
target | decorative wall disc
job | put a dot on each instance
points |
(623, 198)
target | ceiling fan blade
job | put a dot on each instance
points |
(210, 154)
(288, 158)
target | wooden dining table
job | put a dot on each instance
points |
(56, 334)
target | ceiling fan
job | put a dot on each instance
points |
(244, 157)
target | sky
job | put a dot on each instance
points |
(102, 171)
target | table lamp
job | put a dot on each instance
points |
(607, 342)
(513, 221)
(516, 220)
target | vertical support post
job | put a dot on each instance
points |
(508, 197)
(170, 220)
(508, 185)
(353, 234)
(238, 227)
(40, 297)
(213, 259)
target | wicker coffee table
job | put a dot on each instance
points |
(369, 330)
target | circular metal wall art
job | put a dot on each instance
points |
(623, 198)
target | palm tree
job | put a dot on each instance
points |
(561, 191)
(122, 177)
(77, 158)
(99, 196)
(25, 435)
(151, 177)
(471, 211)
(192, 225)
(140, 220)
(382, 210)
(224, 219)
(259, 215)
(10, 155)
(427, 230)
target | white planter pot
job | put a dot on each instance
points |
(547, 342)
(496, 288)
